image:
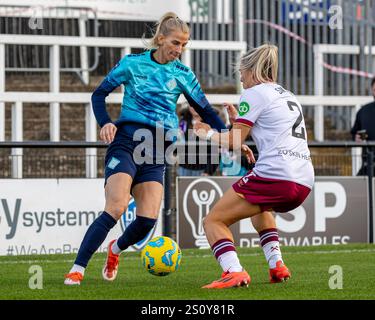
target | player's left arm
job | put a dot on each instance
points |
(117, 76)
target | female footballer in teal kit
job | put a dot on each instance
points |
(153, 82)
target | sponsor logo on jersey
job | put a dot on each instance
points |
(244, 108)
(141, 76)
(171, 84)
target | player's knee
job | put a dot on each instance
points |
(116, 209)
(207, 222)
(213, 220)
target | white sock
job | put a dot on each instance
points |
(272, 253)
(229, 262)
(77, 268)
(115, 249)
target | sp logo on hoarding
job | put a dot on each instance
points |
(335, 212)
(200, 195)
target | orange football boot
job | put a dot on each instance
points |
(280, 273)
(109, 271)
(73, 278)
(230, 280)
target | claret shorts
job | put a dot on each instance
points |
(271, 194)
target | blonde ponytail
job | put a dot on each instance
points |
(262, 62)
(168, 23)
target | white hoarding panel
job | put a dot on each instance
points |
(43, 216)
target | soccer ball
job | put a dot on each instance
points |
(161, 256)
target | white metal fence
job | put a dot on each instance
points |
(55, 97)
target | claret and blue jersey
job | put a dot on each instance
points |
(151, 92)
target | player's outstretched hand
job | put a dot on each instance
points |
(232, 112)
(201, 129)
(107, 133)
(248, 153)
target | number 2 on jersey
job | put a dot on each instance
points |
(302, 134)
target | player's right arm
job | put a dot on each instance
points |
(117, 76)
(194, 95)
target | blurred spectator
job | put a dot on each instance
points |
(364, 129)
(187, 119)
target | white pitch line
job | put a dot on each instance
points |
(193, 256)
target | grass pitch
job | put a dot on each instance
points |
(310, 267)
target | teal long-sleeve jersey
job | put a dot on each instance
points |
(151, 92)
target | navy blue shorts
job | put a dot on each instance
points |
(124, 156)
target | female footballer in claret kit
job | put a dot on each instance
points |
(282, 177)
